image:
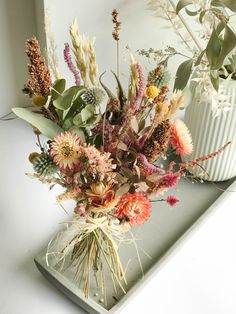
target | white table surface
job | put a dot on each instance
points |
(199, 279)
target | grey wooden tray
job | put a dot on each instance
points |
(156, 241)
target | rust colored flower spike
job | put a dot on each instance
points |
(40, 81)
(117, 25)
(158, 142)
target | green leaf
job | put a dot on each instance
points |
(78, 120)
(79, 132)
(87, 112)
(228, 44)
(201, 16)
(191, 13)
(215, 79)
(45, 126)
(76, 107)
(64, 101)
(182, 4)
(230, 4)
(199, 58)
(58, 88)
(183, 74)
(213, 49)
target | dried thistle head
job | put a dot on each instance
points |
(117, 25)
(40, 81)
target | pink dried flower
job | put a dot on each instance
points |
(141, 86)
(147, 168)
(172, 200)
(97, 162)
(169, 180)
(164, 183)
(72, 68)
(181, 138)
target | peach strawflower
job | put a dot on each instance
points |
(181, 138)
(133, 207)
(64, 150)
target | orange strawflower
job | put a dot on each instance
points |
(133, 207)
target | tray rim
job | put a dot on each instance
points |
(154, 269)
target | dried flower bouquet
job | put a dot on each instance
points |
(105, 150)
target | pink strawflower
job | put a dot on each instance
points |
(181, 138)
(172, 200)
(72, 68)
(135, 208)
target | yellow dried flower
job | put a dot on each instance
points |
(151, 92)
(32, 156)
(39, 100)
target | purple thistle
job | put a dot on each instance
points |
(68, 60)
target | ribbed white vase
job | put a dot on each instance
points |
(210, 132)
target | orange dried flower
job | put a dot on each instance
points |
(133, 207)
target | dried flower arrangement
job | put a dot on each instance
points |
(108, 161)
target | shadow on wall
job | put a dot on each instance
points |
(17, 24)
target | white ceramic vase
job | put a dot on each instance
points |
(211, 130)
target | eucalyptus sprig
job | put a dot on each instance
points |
(220, 38)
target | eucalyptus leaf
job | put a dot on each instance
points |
(79, 132)
(201, 16)
(215, 79)
(44, 125)
(183, 74)
(213, 49)
(182, 4)
(58, 88)
(77, 120)
(228, 44)
(64, 101)
(87, 112)
(191, 13)
(76, 107)
(199, 58)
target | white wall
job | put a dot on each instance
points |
(17, 23)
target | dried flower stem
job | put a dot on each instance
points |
(72, 68)
(116, 36)
(185, 165)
